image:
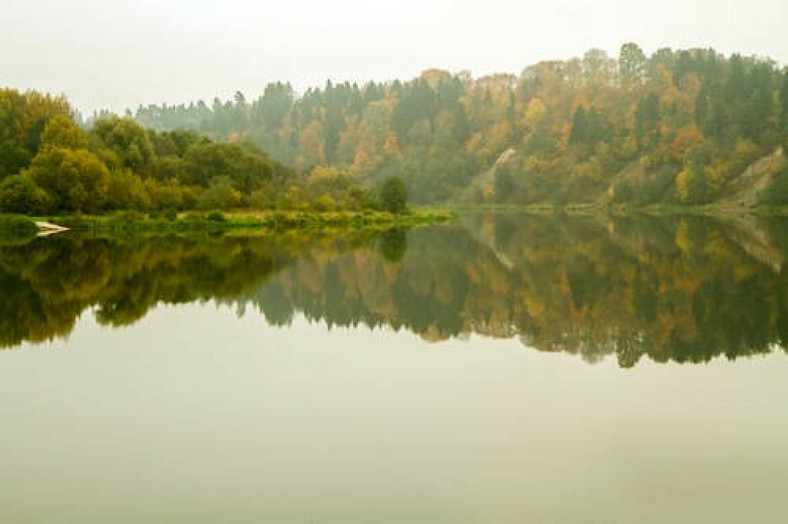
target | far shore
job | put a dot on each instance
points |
(713, 209)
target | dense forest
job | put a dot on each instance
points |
(678, 127)
(50, 164)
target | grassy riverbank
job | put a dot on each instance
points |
(214, 221)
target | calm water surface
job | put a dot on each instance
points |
(507, 369)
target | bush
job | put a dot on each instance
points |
(324, 203)
(220, 195)
(261, 198)
(215, 216)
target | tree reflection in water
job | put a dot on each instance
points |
(681, 288)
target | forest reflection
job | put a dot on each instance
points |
(683, 289)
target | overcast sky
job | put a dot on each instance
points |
(121, 53)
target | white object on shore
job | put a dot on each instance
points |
(48, 228)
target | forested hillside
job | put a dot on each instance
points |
(676, 127)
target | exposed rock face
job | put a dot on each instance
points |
(743, 190)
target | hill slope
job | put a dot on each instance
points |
(683, 124)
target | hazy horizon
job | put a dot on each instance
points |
(118, 54)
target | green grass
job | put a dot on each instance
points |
(216, 221)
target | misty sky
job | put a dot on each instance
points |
(120, 53)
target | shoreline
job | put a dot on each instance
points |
(591, 209)
(22, 226)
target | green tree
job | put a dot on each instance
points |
(128, 140)
(631, 65)
(246, 170)
(23, 117)
(19, 194)
(127, 191)
(74, 180)
(13, 158)
(503, 183)
(61, 131)
(784, 103)
(579, 131)
(393, 195)
(647, 120)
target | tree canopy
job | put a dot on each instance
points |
(49, 163)
(585, 129)
(677, 127)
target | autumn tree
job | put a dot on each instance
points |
(62, 132)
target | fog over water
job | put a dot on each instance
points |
(117, 54)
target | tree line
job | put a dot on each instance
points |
(674, 127)
(51, 164)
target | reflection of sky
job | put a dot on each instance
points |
(196, 415)
(119, 53)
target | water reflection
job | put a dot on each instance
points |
(681, 289)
